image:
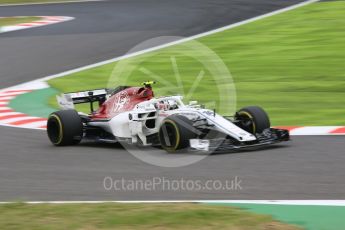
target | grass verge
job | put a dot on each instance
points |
(10, 21)
(292, 64)
(310, 217)
(132, 216)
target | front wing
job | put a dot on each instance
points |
(267, 137)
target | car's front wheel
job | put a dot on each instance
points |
(175, 133)
(65, 127)
(253, 119)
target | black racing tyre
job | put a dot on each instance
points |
(65, 127)
(175, 133)
(253, 119)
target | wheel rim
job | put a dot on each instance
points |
(54, 129)
(169, 135)
(247, 121)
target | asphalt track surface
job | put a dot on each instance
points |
(31, 169)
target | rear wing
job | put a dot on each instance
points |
(68, 100)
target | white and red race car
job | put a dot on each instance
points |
(132, 115)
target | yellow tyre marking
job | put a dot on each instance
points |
(177, 135)
(60, 129)
(251, 117)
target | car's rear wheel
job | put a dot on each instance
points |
(65, 127)
(253, 119)
(175, 133)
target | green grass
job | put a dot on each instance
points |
(132, 216)
(9, 21)
(310, 217)
(292, 64)
(30, 1)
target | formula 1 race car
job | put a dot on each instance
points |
(132, 115)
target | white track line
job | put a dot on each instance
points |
(270, 202)
(45, 3)
(283, 202)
